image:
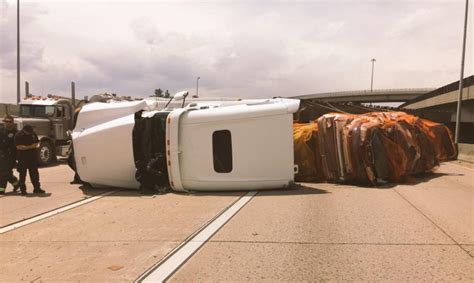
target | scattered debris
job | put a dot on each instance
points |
(115, 267)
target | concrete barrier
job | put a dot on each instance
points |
(466, 152)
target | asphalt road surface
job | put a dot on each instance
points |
(422, 230)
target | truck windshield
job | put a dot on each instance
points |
(36, 111)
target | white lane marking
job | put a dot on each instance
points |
(167, 267)
(52, 212)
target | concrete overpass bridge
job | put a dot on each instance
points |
(360, 96)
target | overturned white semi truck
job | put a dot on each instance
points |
(205, 146)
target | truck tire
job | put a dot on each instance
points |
(46, 153)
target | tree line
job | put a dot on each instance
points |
(160, 93)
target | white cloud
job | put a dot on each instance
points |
(144, 29)
(238, 48)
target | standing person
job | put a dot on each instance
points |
(27, 145)
(71, 159)
(8, 155)
(72, 164)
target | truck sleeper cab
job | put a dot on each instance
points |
(202, 147)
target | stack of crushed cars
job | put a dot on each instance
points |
(369, 149)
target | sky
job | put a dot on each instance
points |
(248, 49)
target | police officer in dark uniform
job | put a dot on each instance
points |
(27, 144)
(8, 155)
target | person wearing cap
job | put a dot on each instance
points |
(27, 144)
(8, 155)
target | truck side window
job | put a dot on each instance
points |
(222, 151)
(48, 111)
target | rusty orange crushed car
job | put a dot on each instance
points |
(369, 149)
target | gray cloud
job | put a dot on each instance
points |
(238, 48)
(118, 66)
(31, 52)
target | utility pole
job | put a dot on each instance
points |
(73, 94)
(372, 80)
(27, 89)
(458, 113)
(197, 86)
(18, 52)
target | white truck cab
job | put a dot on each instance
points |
(206, 146)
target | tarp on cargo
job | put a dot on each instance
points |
(373, 148)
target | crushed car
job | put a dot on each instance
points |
(369, 149)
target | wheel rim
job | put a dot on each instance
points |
(45, 153)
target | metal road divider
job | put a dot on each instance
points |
(174, 260)
(50, 213)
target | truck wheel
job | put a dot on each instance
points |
(45, 153)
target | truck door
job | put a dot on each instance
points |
(61, 122)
